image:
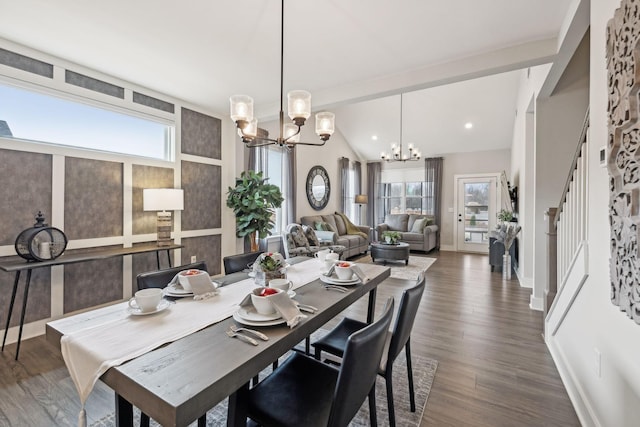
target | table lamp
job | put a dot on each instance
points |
(361, 199)
(163, 200)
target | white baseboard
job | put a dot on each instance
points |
(536, 303)
(585, 412)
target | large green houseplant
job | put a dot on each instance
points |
(254, 201)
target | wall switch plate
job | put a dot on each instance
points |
(193, 258)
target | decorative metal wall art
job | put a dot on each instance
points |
(623, 64)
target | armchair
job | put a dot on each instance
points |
(300, 240)
(419, 231)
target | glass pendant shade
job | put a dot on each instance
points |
(241, 108)
(251, 130)
(325, 123)
(291, 129)
(299, 103)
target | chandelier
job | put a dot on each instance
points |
(299, 106)
(397, 155)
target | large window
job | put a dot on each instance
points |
(406, 197)
(34, 116)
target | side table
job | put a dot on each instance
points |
(18, 264)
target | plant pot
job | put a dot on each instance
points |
(262, 277)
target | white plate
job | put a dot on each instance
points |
(164, 304)
(177, 291)
(249, 313)
(335, 281)
(239, 319)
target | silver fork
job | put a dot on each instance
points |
(241, 337)
(260, 335)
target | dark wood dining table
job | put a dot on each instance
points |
(178, 382)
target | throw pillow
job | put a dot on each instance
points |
(299, 237)
(311, 236)
(418, 225)
(320, 226)
(430, 221)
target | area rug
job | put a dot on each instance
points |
(424, 370)
(416, 265)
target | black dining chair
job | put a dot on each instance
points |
(335, 342)
(160, 279)
(306, 392)
(239, 262)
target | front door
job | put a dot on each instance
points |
(475, 212)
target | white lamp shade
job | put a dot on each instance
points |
(362, 199)
(299, 103)
(291, 129)
(241, 108)
(325, 123)
(163, 199)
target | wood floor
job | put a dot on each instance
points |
(494, 368)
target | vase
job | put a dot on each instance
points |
(263, 277)
(387, 239)
(506, 266)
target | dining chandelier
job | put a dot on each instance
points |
(299, 106)
(397, 155)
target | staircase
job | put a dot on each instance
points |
(567, 240)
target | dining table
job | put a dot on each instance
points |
(176, 382)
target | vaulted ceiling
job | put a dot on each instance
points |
(455, 62)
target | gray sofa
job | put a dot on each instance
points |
(424, 240)
(354, 244)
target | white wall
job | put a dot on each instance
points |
(593, 322)
(523, 167)
(493, 161)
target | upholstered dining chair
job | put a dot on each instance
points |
(239, 262)
(335, 342)
(306, 392)
(160, 279)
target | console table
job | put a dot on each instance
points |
(17, 264)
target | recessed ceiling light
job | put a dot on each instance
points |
(468, 125)
(374, 137)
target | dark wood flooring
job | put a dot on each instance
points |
(494, 368)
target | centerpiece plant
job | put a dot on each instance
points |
(391, 237)
(269, 265)
(254, 201)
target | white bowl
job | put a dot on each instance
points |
(344, 273)
(183, 278)
(262, 304)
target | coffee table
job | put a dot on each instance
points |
(390, 252)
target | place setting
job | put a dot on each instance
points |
(342, 274)
(148, 301)
(191, 283)
(271, 305)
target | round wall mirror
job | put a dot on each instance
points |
(318, 188)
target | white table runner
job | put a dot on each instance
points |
(109, 338)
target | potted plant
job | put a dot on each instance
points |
(269, 265)
(505, 216)
(254, 202)
(391, 237)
